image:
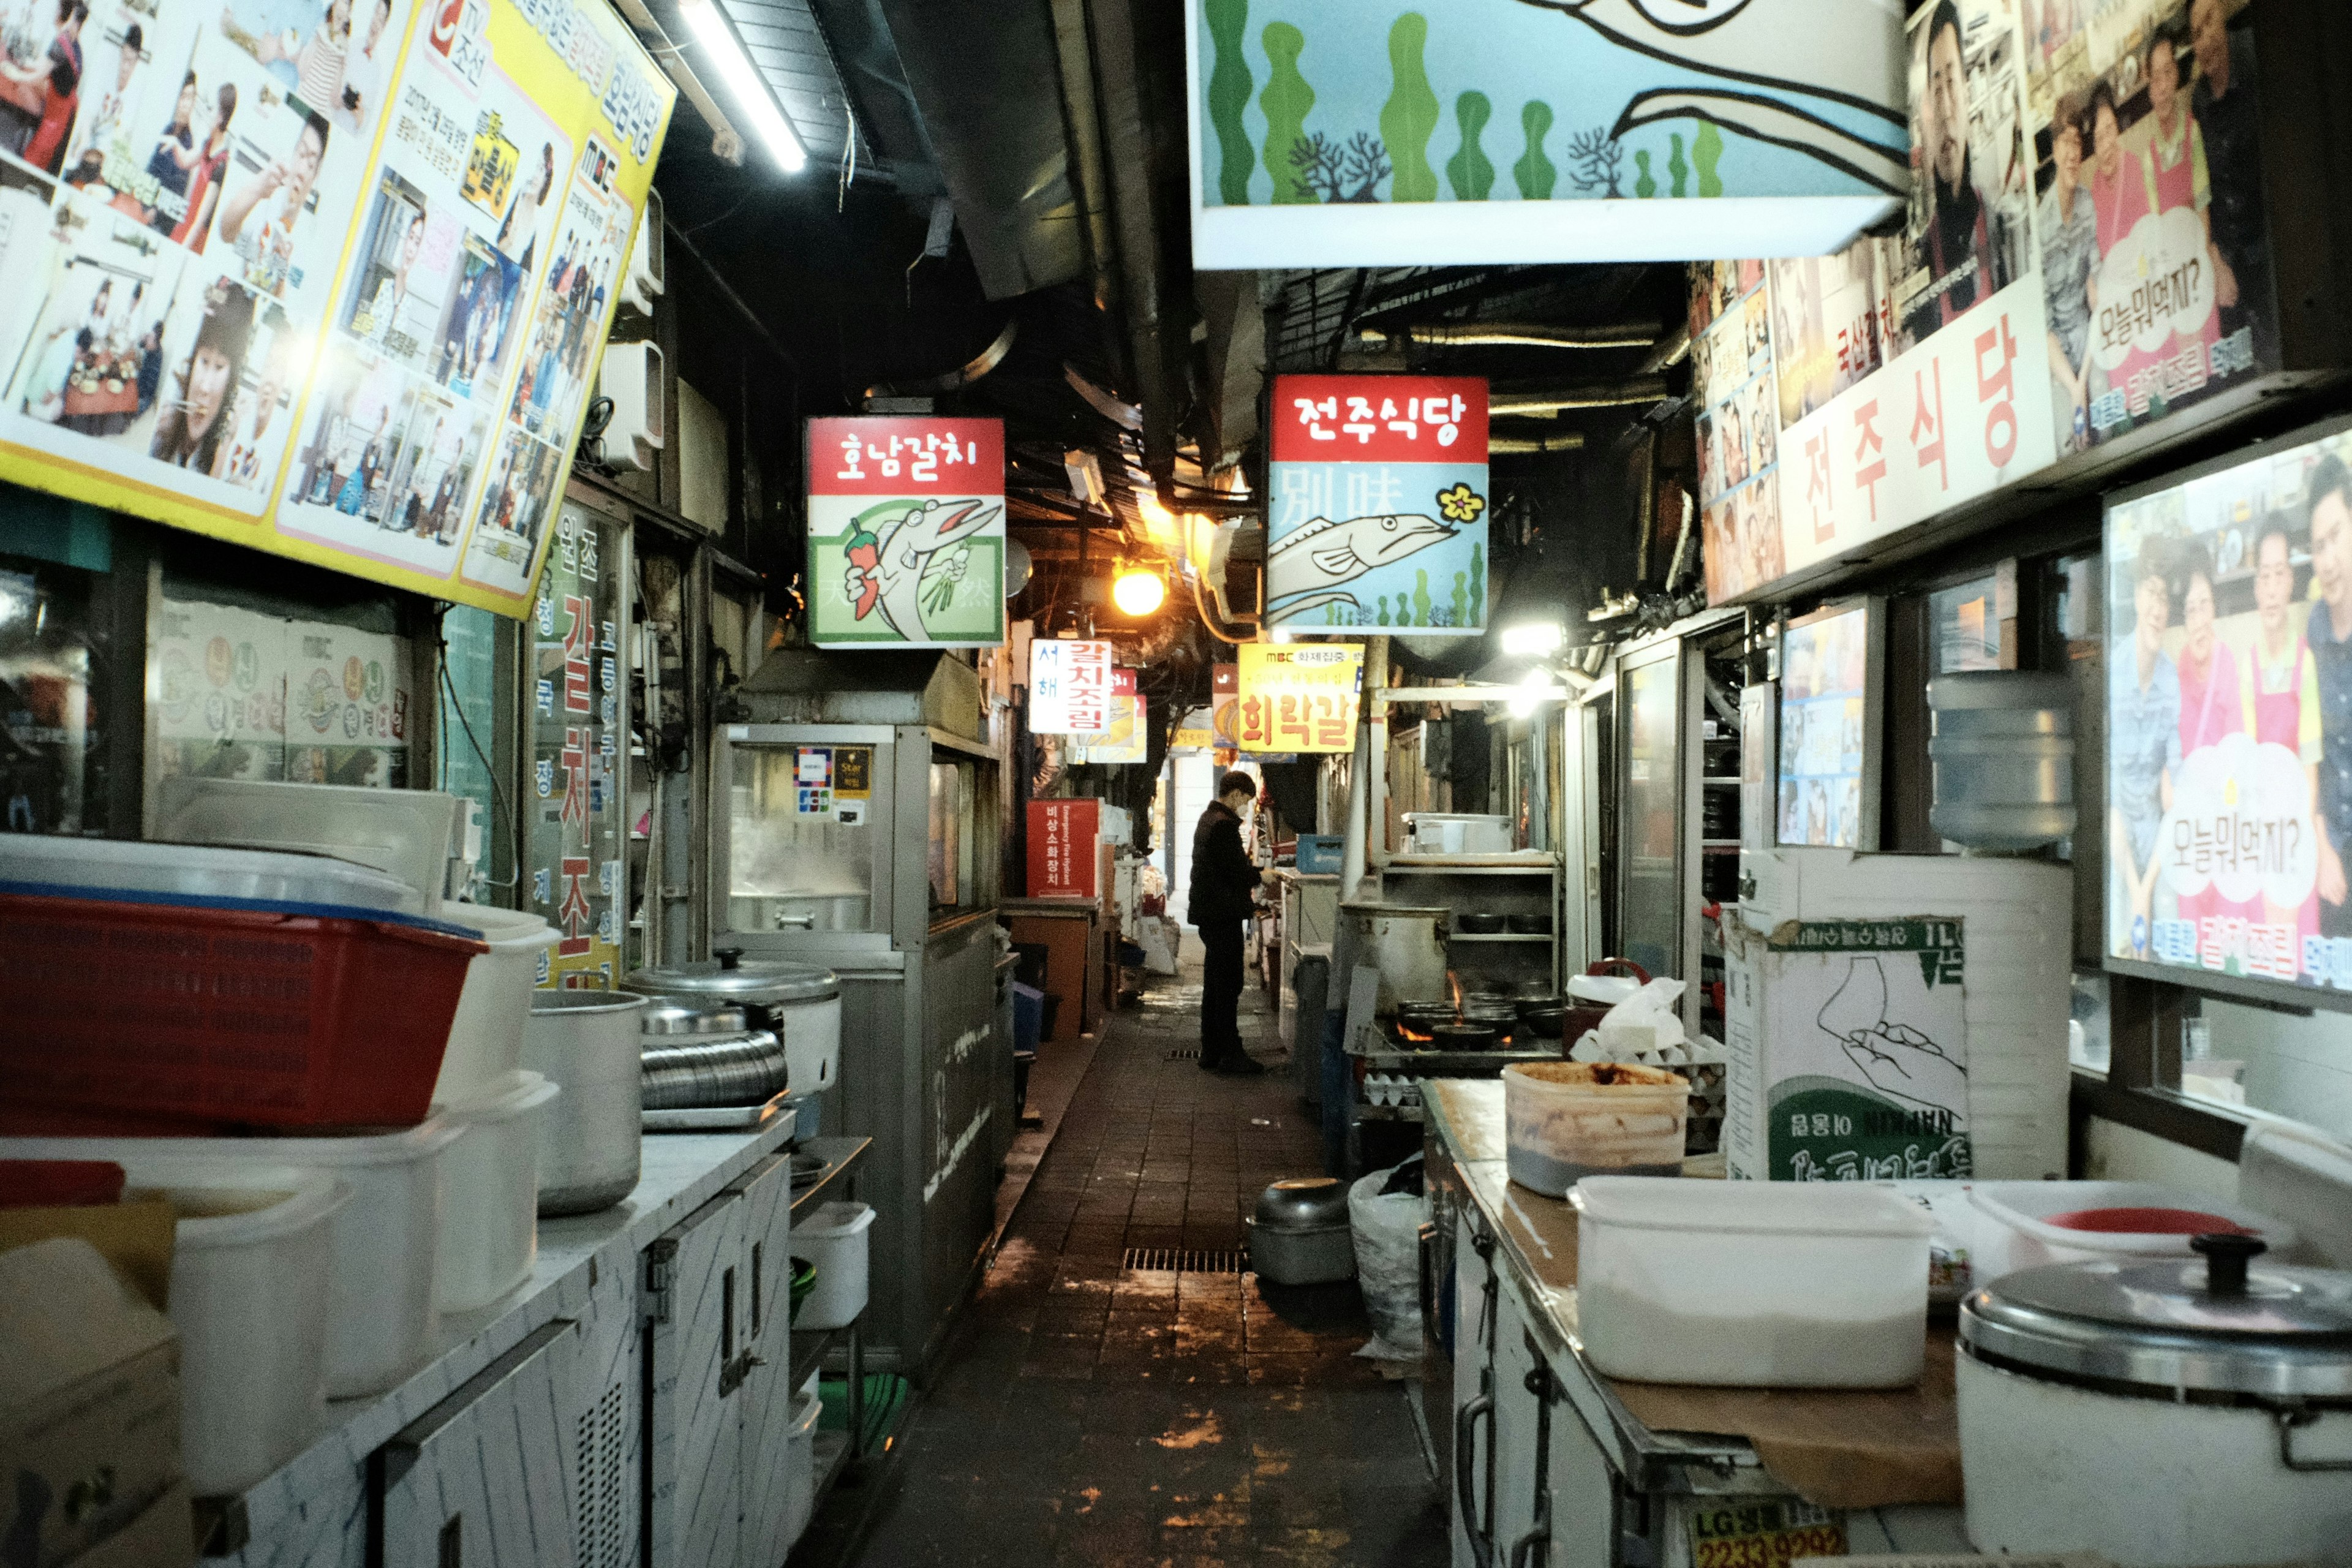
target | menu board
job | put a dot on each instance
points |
(905, 531)
(576, 805)
(1378, 512)
(326, 278)
(2230, 719)
(1299, 698)
(1826, 792)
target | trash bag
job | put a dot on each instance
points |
(1405, 1178)
(1387, 1231)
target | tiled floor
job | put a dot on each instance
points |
(1091, 1414)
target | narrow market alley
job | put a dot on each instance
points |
(1098, 1413)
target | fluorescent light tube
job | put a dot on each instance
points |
(750, 93)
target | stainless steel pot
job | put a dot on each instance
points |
(1299, 1234)
(736, 1070)
(1303, 1202)
(799, 1003)
(1407, 945)
(590, 1136)
(665, 1017)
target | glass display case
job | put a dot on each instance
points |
(801, 848)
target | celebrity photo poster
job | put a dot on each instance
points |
(163, 170)
(1739, 428)
(2155, 243)
(1969, 231)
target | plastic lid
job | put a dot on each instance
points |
(2220, 1322)
(1757, 1208)
(107, 868)
(726, 975)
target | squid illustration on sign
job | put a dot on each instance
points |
(1779, 49)
(1314, 560)
(907, 557)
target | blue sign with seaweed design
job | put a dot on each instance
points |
(1345, 132)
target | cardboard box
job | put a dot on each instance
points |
(90, 1406)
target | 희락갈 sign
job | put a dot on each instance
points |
(1298, 696)
(1378, 512)
(326, 278)
(905, 531)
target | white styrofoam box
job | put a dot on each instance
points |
(490, 1195)
(116, 869)
(410, 834)
(383, 1318)
(1751, 1284)
(836, 1239)
(2017, 916)
(2297, 1174)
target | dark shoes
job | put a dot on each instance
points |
(1236, 1064)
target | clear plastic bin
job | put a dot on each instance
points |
(1565, 1120)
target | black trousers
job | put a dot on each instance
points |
(1221, 991)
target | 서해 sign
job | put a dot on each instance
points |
(1298, 696)
(331, 280)
(1069, 686)
(905, 531)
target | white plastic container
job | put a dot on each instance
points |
(110, 867)
(486, 1035)
(406, 833)
(1751, 1284)
(1459, 832)
(2015, 1231)
(490, 1195)
(835, 1238)
(383, 1322)
(799, 1462)
(811, 1031)
(250, 1264)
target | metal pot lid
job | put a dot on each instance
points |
(691, 1015)
(1302, 1203)
(2220, 1322)
(726, 975)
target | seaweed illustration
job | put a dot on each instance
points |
(1285, 101)
(1229, 91)
(1676, 169)
(1596, 161)
(1645, 187)
(1478, 579)
(1534, 171)
(1707, 151)
(1384, 610)
(1334, 172)
(1409, 119)
(1468, 171)
(1420, 598)
(1461, 600)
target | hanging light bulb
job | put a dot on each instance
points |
(1138, 592)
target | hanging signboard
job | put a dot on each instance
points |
(329, 281)
(1069, 686)
(1123, 741)
(1354, 135)
(1063, 857)
(905, 531)
(1298, 696)
(2229, 720)
(1194, 735)
(1226, 696)
(1737, 425)
(575, 810)
(1378, 514)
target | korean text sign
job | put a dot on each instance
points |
(1298, 696)
(2229, 599)
(1061, 853)
(327, 279)
(905, 531)
(1379, 504)
(1069, 687)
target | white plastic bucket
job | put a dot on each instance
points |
(250, 1261)
(835, 1238)
(811, 1031)
(490, 1195)
(382, 1320)
(800, 1463)
(2015, 1231)
(485, 1036)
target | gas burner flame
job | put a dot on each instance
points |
(1454, 984)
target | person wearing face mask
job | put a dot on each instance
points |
(2279, 688)
(1225, 882)
(1957, 247)
(193, 429)
(2143, 755)
(2070, 250)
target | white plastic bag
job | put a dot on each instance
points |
(1387, 1232)
(1644, 1027)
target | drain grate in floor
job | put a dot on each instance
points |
(1185, 1260)
(1184, 1053)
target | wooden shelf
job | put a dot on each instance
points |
(839, 1154)
(1500, 936)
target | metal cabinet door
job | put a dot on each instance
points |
(1472, 1501)
(696, 1293)
(765, 1359)
(484, 1479)
(1583, 1493)
(1519, 1430)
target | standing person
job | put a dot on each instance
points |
(2329, 632)
(2178, 175)
(2213, 707)
(2281, 688)
(1957, 247)
(2069, 248)
(1223, 880)
(2142, 756)
(212, 167)
(60, 93)
(105, 122)
(2222, 104)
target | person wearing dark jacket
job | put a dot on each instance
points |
(1223, 879)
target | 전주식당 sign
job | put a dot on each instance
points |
(905, 531)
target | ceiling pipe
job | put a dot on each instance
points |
(1528, 336)
(1670, 350)
(963, 376)
(1542, 405)
(1514, 445)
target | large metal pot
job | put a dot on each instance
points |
(1300, 1234)
(799, 1003)
(590, 1136)
(2173, 1413)
(1406, 944)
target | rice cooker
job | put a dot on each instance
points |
(2164, 1413)
(799, 1002)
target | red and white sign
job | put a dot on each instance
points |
(1379, 419)
(905, 531)
(1069, 687)
(1063, 857)
(905, 455)
(1122, 683)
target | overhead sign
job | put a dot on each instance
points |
(1392, 133)
(905, 531)
(1126, 740)
(1378, 512)
(329, 281)
(1225, 694)
(1069, 686)
(1298, 696)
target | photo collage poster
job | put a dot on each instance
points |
(1824, 695)
(327, 278)
(1738, 426)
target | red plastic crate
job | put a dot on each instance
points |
(196, 1015)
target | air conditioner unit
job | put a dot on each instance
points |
(648, 266)
(631, 376)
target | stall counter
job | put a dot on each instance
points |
(1545, 1445)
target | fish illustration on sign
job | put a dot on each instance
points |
(1314, 560)
(1776, 51)
(908, 560)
